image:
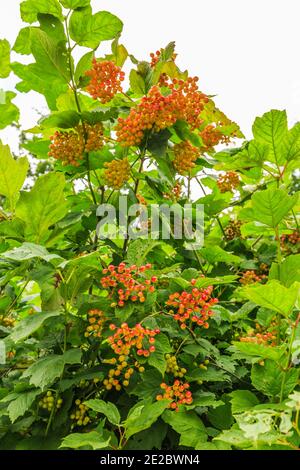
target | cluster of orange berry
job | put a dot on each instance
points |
(178, 393)
(250, 277)
(192, 306)
(127, 342)
(106, 80)
(128, 283)
(259, 336)
(233, 230)
(185, 156)
(156, 111)
(117, 173)
(48, 402)
(79, 415)
(228, 182)
(96, 321)
(69, 147)
(173, 367)
(7, 321)
(212, 136)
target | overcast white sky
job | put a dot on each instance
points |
(244, 51)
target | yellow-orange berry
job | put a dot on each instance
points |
(117, 173)
(185, 156)
(106, 78)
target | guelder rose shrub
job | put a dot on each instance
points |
(122, 343)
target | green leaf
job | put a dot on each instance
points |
(269, 379)
(30, 324)
(291, 144)
(242, 400)
(31, 8)
(89, 30)
(84, 64)
(273, 295)
(271, 206)
(44, 372)
(23, 44)
(51, 57)
(137, 83)
(157, 143)
(43, 206)
(143, 416)
(107, 408)
(18, 407)
(28, 251)
(216, 254)
(12, 174)
(38, 147)
(272, 129)
(4, 58)
(221, 417)
(88, 439)
(288, 272)
(162, 347)
(139, 249)
(9, 112)
(259, 350)
(63, 120)
(188, 425)
(73, 4)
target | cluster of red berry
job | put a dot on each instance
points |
(127, 343)
(117, 173)
(261, 336)
(291, 239)
(96, 321)
(185, 156)
(194, 306)
(128, 283)
(178, 393)
(212, 136)
(69, 147)
(250, 277)
(106, 79)
(228, 182)
(156, 111)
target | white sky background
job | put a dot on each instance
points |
(247, 52)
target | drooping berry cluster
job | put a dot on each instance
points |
(106, 80)
(127, 343)
(69, 147)
(233, 230)
(127, 283)
(185, 156)
(259, 335)
(212, 137)
(48, 402)
(178, 393)
(156, 111)
(250, 277)
(173, 367)
(154, 58)
(117, 173)
(96, 321)
(194, 306)
(228, 182)
(79, 415)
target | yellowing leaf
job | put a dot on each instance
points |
(12, 174)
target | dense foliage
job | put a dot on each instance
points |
(123, 343)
